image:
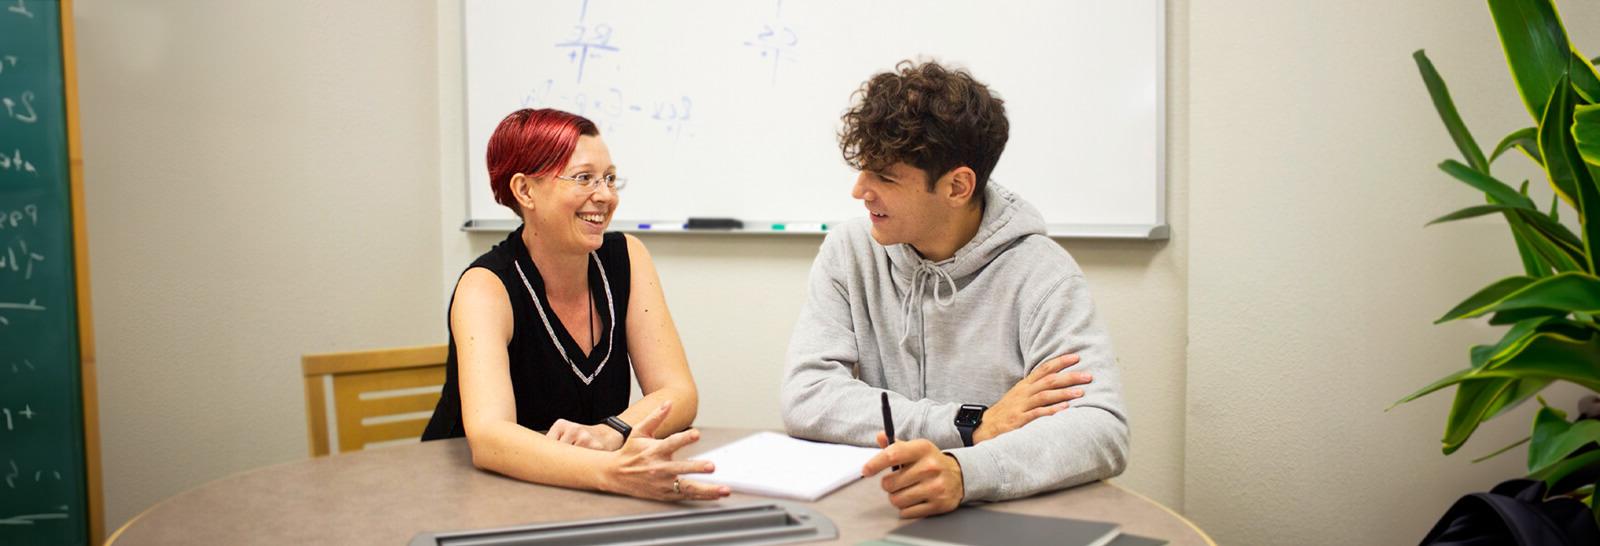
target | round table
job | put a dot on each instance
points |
(388, 495)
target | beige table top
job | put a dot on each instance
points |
(388, 495)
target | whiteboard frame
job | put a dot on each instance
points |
(1160, 230)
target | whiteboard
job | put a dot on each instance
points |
(730, 109)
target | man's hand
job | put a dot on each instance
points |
(927, 483)
(599, 437)
(1043, 392)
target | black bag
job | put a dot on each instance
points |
(1515, 512)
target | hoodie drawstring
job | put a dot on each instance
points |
(920, 282)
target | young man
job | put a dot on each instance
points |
(950, 297)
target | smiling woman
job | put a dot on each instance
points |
(541, 338)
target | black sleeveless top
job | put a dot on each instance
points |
(545, 385)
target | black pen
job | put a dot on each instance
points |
(888, 423)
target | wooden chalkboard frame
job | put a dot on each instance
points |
(80, 256)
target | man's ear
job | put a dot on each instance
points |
(522, 190)
(963, 182)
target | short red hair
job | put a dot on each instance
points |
(533, 142)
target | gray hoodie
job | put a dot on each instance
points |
(964, 330)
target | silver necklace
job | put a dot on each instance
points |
(610, 307)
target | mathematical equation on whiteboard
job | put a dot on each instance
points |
(776, 42)
(612, 108)
(592, 45)
(593, 51)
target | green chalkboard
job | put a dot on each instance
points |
(43, 472)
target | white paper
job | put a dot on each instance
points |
(775, 465)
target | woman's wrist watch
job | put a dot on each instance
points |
(620, 426)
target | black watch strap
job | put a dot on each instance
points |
(966, 435)
(620, 426)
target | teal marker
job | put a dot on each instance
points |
(800, 227)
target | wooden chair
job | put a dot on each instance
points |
(378, 396)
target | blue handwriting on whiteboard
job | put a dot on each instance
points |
(589, 42)
(774, 40)
(613, 107)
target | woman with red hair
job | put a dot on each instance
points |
(545, 326)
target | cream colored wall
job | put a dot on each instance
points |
(265, 181)
(261, 183)
(1312, 283)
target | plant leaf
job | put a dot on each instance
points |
(1554, 439)
(1436, 385)
(1569, 292)
(1471, 212)
(1512, 341)
(1525, 139)
(1543, 356)
(1485, 299)
(1471, 407)
(1586, 131)
(1533, 263)
(1583, 178)
(1552, 241)
(1548, 356)
(1497, 452)
(1555, 231)
(1514, 316)
(1519, 392)
(1585, 80)
(1555, 135)
(1564, 163)
(1497, 190)
(1553, 473)
(1536, 48)
(1440, 94)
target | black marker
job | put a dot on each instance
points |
(714, 223)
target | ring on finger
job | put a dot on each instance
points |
(676, 488)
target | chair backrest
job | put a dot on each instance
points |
(378, 396)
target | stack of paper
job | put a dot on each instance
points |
(775, 465)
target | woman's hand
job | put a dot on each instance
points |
(644, 468)
(599, 437)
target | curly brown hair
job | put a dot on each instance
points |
(928, 116)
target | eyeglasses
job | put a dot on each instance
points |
(592, 183)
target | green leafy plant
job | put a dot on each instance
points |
(1551, 310)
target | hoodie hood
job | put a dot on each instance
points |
(1007, 220)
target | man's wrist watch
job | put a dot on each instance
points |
(621, 427)
(967, 420)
